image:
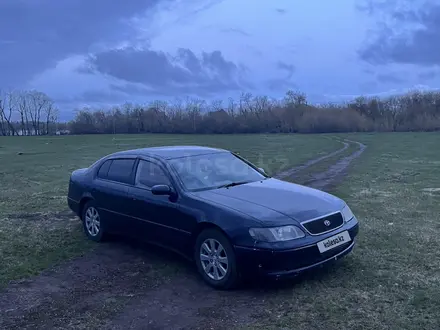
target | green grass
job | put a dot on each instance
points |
(31, 244)
(392, 279)
(34, 173)
(305, 175)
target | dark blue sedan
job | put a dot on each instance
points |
(215, 207)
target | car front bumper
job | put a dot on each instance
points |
(280, 263)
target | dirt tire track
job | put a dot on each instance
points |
(288, 173)
(335, 172)
(59, 297)
(121, 286)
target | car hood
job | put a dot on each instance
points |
(275, 202)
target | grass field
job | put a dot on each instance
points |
(34, 173)
(390, 281)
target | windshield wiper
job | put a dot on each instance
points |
(232, 184)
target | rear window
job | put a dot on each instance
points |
(121, 170)
(103, 170)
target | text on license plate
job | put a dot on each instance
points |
(334, 241)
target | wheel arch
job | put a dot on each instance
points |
(83, 201)
(201, 226)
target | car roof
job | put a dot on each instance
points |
(170, 152)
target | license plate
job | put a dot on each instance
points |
(334, 241)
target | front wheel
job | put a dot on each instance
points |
(215, 259)
(92, 222)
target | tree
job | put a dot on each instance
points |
(39, 103)
(23, 110)
(7, 109)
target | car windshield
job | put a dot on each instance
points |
(212, 171)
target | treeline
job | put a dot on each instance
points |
(34, 113)
(27, 113)
(415, 111)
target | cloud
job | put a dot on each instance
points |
(372, 7)
(279, 84)
(35, 34)
(131, 89)
(393, 78)
(289, 68)
(428, 75)
(368, 86)
(145, 49)
(99, 96)
(166, 74)
(236, 31)
(408, 33)
(283, 83)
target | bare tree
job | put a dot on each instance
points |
(54, 118)
(245, 105)
(231, 107)
(39, 102)
(7, 109)
(22, 108)
(193, 109)
(35, 113)
(295, 98)
(138, 114)
(3, 130)
(216, 105)
(50, 113)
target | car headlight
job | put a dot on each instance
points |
(347, 214)
(276, 234)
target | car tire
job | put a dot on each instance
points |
(92, 222)
(211, 267)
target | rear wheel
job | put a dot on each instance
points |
(215, 259)
(92, 222)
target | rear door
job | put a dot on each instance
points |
(111, 192)
(159, 215)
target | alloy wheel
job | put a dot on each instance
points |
(92, 220)
(214, 259)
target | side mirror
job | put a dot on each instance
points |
(161, 189)
(262, 170)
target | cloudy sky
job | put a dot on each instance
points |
(103, 52)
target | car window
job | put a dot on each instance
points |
(211, 171)
(150, 174)
(120, 170)
(103, 170)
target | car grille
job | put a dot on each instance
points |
(321, 225)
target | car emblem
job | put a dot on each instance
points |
(327, 223)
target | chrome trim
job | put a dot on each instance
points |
(73, 200)
(321, 217)
(115, 182)
(287, 250)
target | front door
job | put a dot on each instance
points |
(159, 215)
